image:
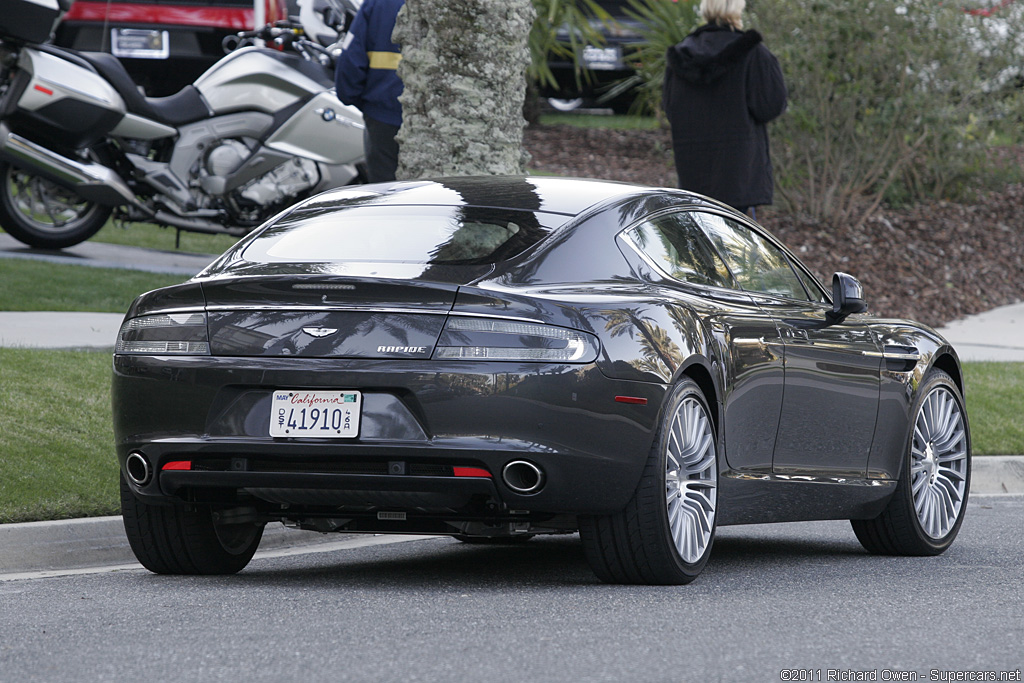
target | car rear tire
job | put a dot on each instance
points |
(926, 511)
(665, 533)
(184, 539)
(44, 215)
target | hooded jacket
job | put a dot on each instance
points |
(721, 87)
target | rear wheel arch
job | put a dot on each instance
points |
(706, 382)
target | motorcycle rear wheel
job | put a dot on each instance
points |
(43, 214)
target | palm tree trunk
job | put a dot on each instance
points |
(463, 66)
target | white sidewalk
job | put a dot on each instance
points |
(996, 335)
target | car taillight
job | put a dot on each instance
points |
(490, 339)
(164, 334)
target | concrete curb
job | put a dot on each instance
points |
(100, 541)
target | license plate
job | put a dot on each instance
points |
(601, 58)
(139, 43)
(315, 414)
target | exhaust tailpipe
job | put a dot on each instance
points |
(522, 476)
(92, 182)
(137, 468)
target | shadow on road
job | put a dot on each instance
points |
(550, 561)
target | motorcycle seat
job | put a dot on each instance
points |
(185, 106)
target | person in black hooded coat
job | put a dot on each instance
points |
(722, 86)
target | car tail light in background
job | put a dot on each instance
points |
(164, 334)
(491, 339)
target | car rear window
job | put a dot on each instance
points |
(435, 235)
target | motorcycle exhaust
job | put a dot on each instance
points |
(92, 182)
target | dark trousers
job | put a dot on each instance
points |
(381, 150)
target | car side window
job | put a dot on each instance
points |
(811, 286)
(757, 265)
(678, 246)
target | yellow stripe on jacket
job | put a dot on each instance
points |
(384, 60)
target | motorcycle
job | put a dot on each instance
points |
(259, 130)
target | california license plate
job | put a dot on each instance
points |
(315, 414)
(139, 43)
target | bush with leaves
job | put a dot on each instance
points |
(886, 99)
(662, 24)
(557, 18)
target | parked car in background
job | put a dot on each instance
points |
(602, 66)
(164, 44)
(986, 8)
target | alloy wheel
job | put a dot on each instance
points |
(938, 466)
(691, 480)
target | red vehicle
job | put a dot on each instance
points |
(987, 9)
(164, 44)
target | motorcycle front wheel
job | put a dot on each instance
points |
(43, 214)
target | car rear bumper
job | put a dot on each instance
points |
(434, 435)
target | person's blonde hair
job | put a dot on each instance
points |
(723, 12)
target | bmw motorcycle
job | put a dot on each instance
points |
(79, 142)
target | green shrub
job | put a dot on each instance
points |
(886, 98)
(662, 25)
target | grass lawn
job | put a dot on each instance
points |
(995, 403)
(156, 237)
(56, 437)
(30, 285)
(57, 442)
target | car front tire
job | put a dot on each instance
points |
(926, 511)
(183, 539)
(665, 533)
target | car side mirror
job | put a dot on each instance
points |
(847, 298)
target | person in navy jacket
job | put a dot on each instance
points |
(365, 78)
(722, 86)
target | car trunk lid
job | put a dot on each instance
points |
(336, 317)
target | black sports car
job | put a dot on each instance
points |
(495, 358)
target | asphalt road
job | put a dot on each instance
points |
(798, 596)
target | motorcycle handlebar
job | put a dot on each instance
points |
(283, 34)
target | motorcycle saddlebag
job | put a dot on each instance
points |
(29, 21)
